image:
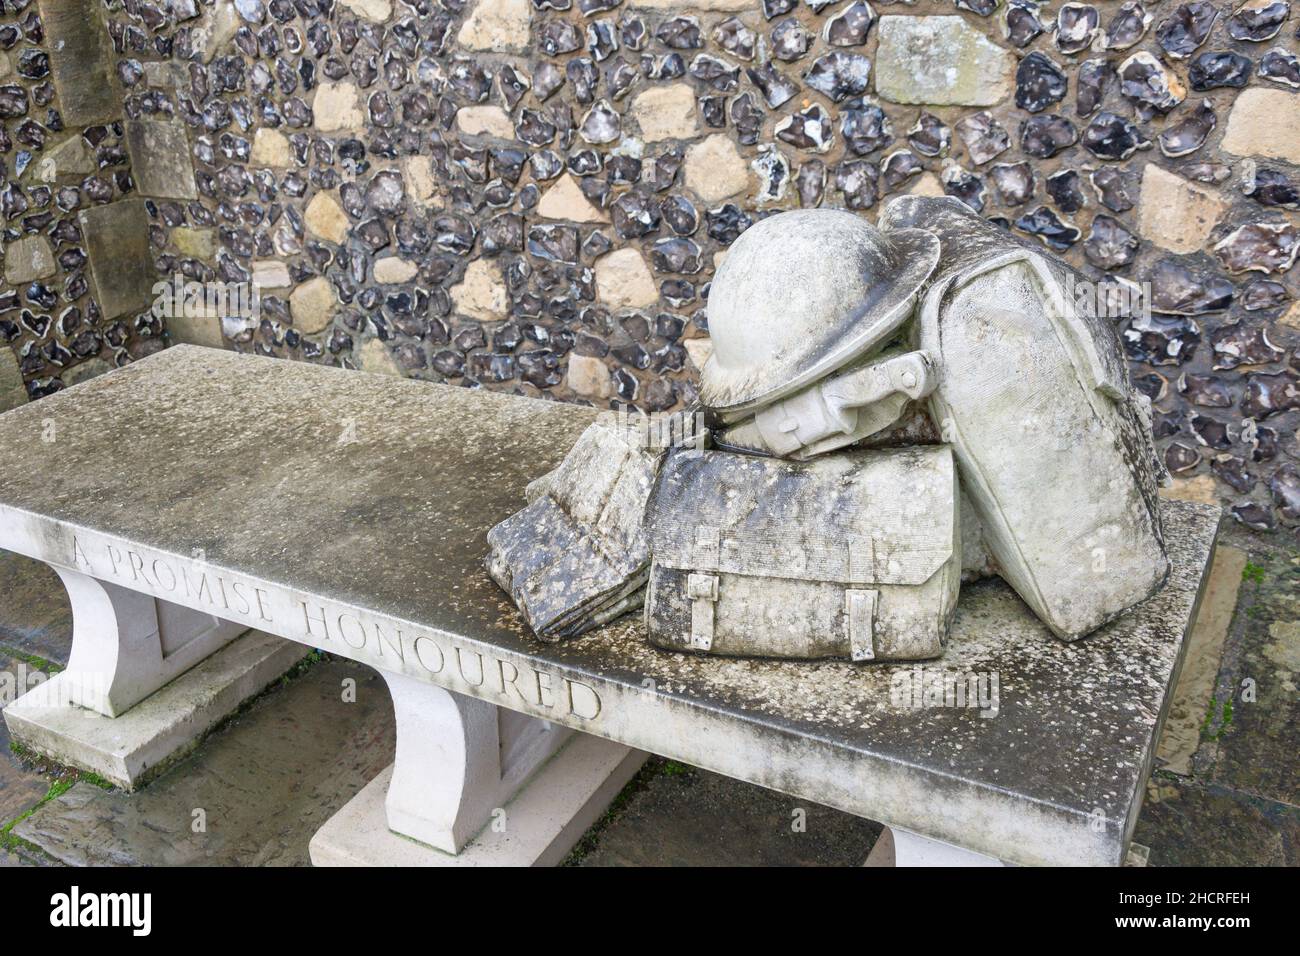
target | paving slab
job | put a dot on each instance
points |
(35, 615)
(675, 815)
(253, 793)
(21, 787)
(1253, 730)
(1188, 825)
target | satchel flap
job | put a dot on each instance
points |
(866, 517)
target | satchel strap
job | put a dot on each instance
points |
(702, 590)
(860, 611)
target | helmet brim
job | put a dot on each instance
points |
(870, 323)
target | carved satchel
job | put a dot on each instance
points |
(1053, 444)
(854, 554)
(577, 556)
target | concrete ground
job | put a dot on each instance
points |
(1227, 793)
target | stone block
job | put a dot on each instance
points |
(666, 112)
(271, 148)
(623, 281)
(337, 106)
(202, 330)
(392, 270)
(481, 294)
(715, 170)
(312, 305)
(941, 61)
(374, 357)
(564, 200)
(195, 243)
(588, 376)
(70, 158)
(376, 10)
(160, 158)
(271, 274)
(324, 217)
(80, 61)
(496, 26)
(1177, 214)
(1264, 123)
(121, 267)
(487, 120)
(28, 259)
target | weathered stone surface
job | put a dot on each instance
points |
(85, 371)
(20, 788)
(337, 106)
(623, 280)
(325, 218)
(117, 243)
(197, 243)
(271, 148)
(564, 200)
(666, 112)
(704, 6)
(588, 376)
(941, 61)
(1255, 126)
(392, 270)
(80, 61)
(481, 294)
(160, 158)
(271, 274)
(496, 26)
(12, 392)
(1176, 214)
(72, 157)
(715, 170)
(28, 259)
(312, 305)
(487, 120)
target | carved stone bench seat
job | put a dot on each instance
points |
(200, 495)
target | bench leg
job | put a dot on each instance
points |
(477, 784)
(903, 848)
(156, 674)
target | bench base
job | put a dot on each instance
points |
(129, 749)
(539, 827)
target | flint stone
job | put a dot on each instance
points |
(160, 158)
(117, 244)
(1176, 214)
(28, 259)
(80, 61)
(940, 61)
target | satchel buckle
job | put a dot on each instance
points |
(702, 589)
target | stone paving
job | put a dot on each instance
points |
(260, 786)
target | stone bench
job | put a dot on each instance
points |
(347, 512)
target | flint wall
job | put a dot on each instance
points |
(533, 194)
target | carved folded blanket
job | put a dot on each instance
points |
(577, 557)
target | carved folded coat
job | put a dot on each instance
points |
(854, 555)
(576, 556)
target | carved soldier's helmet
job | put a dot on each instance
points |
(802, 294)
